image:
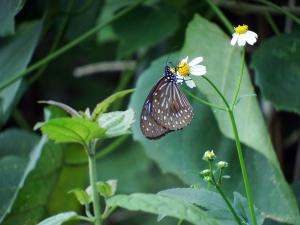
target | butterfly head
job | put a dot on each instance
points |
(170, 71)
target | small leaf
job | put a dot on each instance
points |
(162, 205)
(240, 204)
(108, 188)
(72, 130)
(102, 106)
(59, 218)
(63, 106)
(81, 196)
(117, 123)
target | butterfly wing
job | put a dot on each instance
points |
(149, 127)
(171, 108)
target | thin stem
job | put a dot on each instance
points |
(272, 23)
(243, 167)
(55, 44)
(218, 91)
(93, 180)
(238, 86)
(220, 177)
(239, 150)
(179, 222)
(281, 9)
(67, 47)
(221, 15)
(83, 218)
(236, 217)
(202, 100)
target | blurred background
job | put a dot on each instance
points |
(111, 60)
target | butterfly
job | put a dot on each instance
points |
(166, 108)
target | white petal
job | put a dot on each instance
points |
(185, 60)
(198, 70)
(190, 83)
(196, 61)
(179, 78)
(234, 39)
(252, 33)
(242, 40)
(251, 39)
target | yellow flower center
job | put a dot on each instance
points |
(184, 69)
(241, 29)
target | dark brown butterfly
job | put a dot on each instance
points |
(166, 108)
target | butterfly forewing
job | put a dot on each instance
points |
(171, 108)
(150, 128)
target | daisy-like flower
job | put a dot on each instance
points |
(242, 36)
(185, 68)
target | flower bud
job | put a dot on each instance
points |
(209, 155)
(205, 173)
(222, 164)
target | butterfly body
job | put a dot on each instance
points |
(166, 108)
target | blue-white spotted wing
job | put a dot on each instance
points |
(166, 108)
(149, 127)
(171, 108)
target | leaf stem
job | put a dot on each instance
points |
(236, 217)
(243, 167)
(239, 151)
(67, 47)
(202, 100)
(93, 180)
(221, 16)
(237, 89)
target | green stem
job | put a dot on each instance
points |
(179, 222)
(237, 89)
(56, 41)
(243, 166)
(239, 150)
(236, 217)
(93, 181)
(218, 91)
(221, 16)
(272, 23)
(67, 47)
(202, 100)
(281, 9)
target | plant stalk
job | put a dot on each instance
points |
(243, 166)
(93, 180)
(238, 147)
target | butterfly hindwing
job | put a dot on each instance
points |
(171, 108)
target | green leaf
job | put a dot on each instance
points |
(103, 106)
(14, 57)
(81, 196)
(16, 162)
(72, 130)
(180, 152)
(201, 197)
(117, 123)
(108, 188)
(162, 205)
(153, 25)
(241, 206)
(8, 10)
(59, 218)
(277, 69)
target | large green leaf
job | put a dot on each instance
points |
(141, 28)
(8, 10)
(161, 205)
(72, 130)
(59, 218)
(16, 162)
(14, 57)
(180, 152)
(276, 63)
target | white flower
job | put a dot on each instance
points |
(186, 68)
(242, 36)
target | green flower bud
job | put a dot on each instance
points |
(222, 164)
(209, 155)
(205, 173)
(207, 179)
